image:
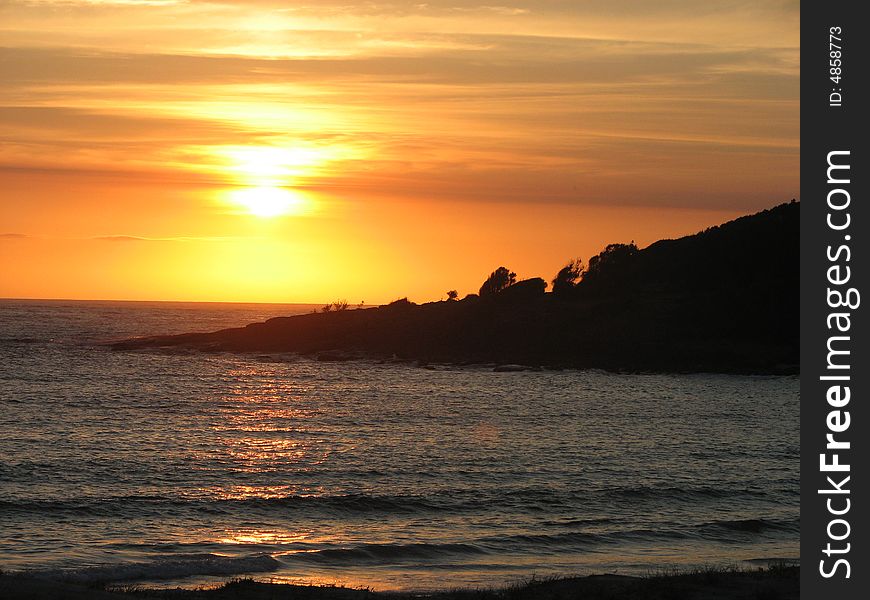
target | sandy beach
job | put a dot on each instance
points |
(775, 583)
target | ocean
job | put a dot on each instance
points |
(189, 468)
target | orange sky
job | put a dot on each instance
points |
(323, 149)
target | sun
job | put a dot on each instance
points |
(269, 201)
(264, 178)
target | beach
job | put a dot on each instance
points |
(777, 583)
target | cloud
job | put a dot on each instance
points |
(126, 238)
(227, 26)
(640, 8)
(136, 238)
(512, 60)
(507, 98)
(13, 236)
(66, 122)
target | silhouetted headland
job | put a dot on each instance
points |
(722, 300)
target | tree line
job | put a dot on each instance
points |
(609, 265)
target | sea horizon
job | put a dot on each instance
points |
(165, 301)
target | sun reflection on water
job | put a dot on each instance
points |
(255, 536)
(262, 426)
(256, 455)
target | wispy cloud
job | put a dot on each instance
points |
(126, 238)
(136, 238)
(547, 98)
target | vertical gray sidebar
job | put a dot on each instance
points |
(835, 364)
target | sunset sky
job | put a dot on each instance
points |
(321, 149)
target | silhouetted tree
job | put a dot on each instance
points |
(498, 280)
(525, 291)
(567, 276)
(337, 306)
(610, 266)
(452, 295)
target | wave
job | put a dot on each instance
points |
(579, 540)
(434, 553)
(535, 543)
(528, 501)
(753, 525)
(358, 502)
(577, 523)
(385, 553)
(344, 503)
(681, 493)
(186, 565)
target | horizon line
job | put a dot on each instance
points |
(30, 299)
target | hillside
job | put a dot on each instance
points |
(723, 300)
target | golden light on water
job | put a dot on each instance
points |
(256, 536)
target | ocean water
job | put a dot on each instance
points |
(182, 469)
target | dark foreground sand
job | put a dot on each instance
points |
(777, 583)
